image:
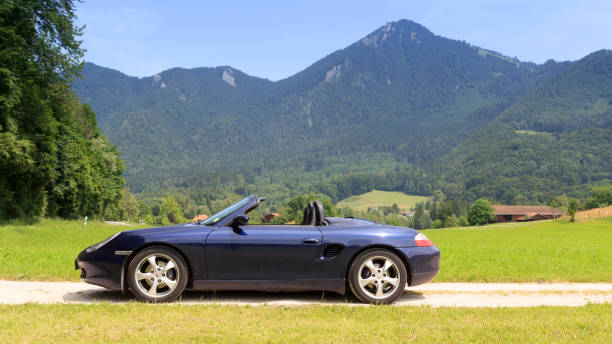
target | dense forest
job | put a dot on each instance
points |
(54, 160)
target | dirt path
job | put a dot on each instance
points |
(432, 294)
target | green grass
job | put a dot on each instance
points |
(511, 252)
(46, 250)
(142, 323)
(522, 252)
(376, 198)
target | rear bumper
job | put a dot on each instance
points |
(424, 263)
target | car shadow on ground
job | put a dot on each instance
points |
(235, 297)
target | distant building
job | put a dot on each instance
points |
(269, 217)
(200, 218)
(513, 213)
(407, 213)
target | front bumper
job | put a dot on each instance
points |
(424, 263)
(101, 268)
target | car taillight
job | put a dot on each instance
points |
(421, 240)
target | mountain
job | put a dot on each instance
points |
(402, 106)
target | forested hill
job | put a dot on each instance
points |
(393, 108)
(557, 137)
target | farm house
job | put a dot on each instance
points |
(513, 213)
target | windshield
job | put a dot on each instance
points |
(225, 212)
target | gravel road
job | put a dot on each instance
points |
(432, 294)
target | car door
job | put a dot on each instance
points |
(261, 252)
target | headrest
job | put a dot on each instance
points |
(319, 213)
(309, 215)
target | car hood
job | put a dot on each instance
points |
(165, 229)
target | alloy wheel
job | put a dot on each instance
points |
(379, 277)
(157, 275)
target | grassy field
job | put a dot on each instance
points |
(520, 252)
(377, 198)
(544, 251)
(516, 252)
(46, 250)
(142, 323)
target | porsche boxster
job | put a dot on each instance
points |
(373, 261)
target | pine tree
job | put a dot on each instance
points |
(419, 216)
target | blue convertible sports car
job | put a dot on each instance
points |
(373, 260)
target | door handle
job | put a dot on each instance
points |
(311, 241)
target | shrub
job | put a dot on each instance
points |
(462, 221)
(481, 212)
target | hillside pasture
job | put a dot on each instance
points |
(377, 198)
(590, 214)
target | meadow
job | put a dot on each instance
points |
(542, 251)
(377, 198)
(46, 250)
(552, 251)
(146, 323)
(509, 252)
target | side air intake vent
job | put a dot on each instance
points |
(332, 250)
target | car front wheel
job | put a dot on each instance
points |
(377, 276)
(157, 274)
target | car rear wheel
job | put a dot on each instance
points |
(157, 274)
(377, 276)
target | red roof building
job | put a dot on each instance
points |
(512, 213)
(269, 217)
(198, 218)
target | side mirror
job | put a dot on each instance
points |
(240, 220)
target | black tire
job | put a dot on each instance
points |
(377, 278)
(157, 283)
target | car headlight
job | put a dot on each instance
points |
(102, 243)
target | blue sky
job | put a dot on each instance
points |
(276, 39)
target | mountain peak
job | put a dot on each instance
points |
(403, 27)
(410, 25)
